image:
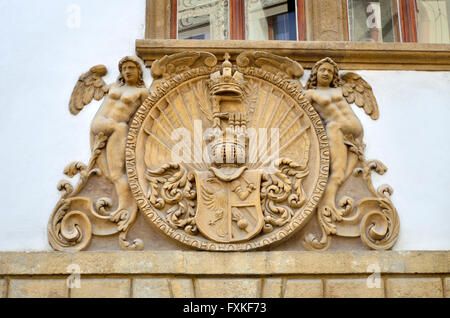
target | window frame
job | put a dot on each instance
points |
(404, 20)
(408, 20)
(236, 19)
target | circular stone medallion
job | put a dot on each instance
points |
(227, 159)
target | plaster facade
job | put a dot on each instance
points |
(40, 137)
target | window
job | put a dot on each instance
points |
(202, 19)
(373, 21)
(237, 19)
(270, 20)
(424, 21)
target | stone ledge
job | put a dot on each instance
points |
(214, 263)
(349, 55)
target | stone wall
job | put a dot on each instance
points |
(229, 275)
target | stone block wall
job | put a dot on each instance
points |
(228, 275)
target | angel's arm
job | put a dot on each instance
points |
(309, 94)
(356, 90)
(90, 86)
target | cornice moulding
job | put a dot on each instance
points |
(233, 263)
(349, 55)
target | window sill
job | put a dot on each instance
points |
(349, 55)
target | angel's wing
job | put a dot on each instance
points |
(90, 85)
(280, 65)
(170, 65)
(358, 91)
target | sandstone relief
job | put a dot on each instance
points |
(225, 156)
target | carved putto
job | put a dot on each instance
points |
(223, 156)
(76, 217)
(331, 95)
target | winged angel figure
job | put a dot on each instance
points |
(108, 134)
(331, 96)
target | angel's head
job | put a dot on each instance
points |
(325, 73)
(130, 72)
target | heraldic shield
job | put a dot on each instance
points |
(229, 211)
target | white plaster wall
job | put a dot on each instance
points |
(41, 58)
(412, 137)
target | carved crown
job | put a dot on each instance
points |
(226, 82)
(228, 148)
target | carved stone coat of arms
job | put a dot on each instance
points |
(225, 157)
